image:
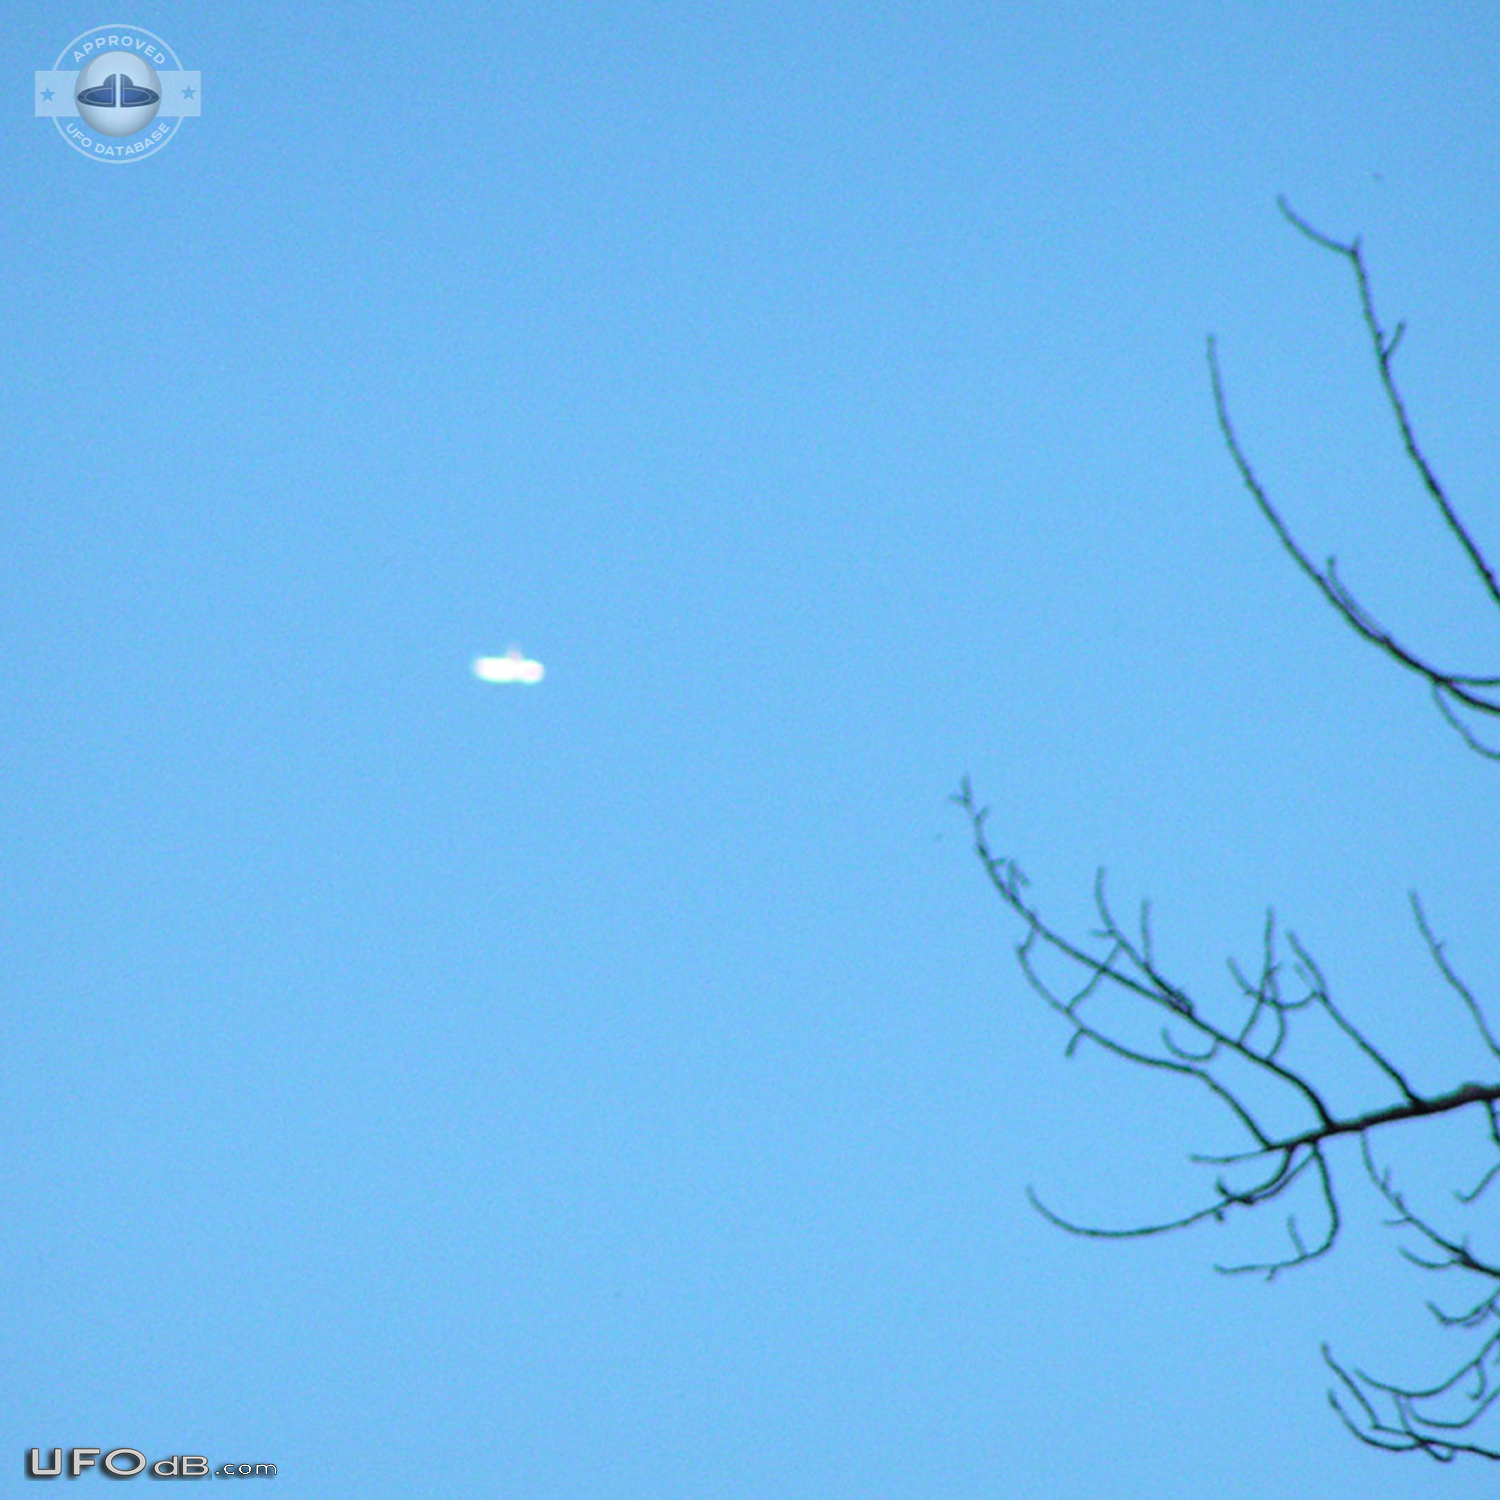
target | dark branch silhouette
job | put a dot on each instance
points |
(1478, 693)
(1234, 1047)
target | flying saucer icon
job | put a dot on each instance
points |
(512, 667)
(118, 91)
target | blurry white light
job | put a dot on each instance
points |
(512, 667)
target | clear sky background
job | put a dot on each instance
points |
(622, 1087)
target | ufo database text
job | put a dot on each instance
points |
(512, 667)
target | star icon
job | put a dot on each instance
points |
(187, 93)
(47, 94)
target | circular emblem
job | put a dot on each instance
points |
(129, 91)
(118, 93)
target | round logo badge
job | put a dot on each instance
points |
(118, 93)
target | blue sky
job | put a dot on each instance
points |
(622, 1087)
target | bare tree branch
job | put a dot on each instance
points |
(1385, 350)
(1478, 693)
(1230, 1048)
(1193, 1043)
(1435, 948)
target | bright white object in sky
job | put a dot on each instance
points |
(512, 667)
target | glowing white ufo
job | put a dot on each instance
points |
(512, 667)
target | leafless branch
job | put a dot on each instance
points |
(1403, 1418)
(1230, 1048)
(1475, 692)
(1195, 1044)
